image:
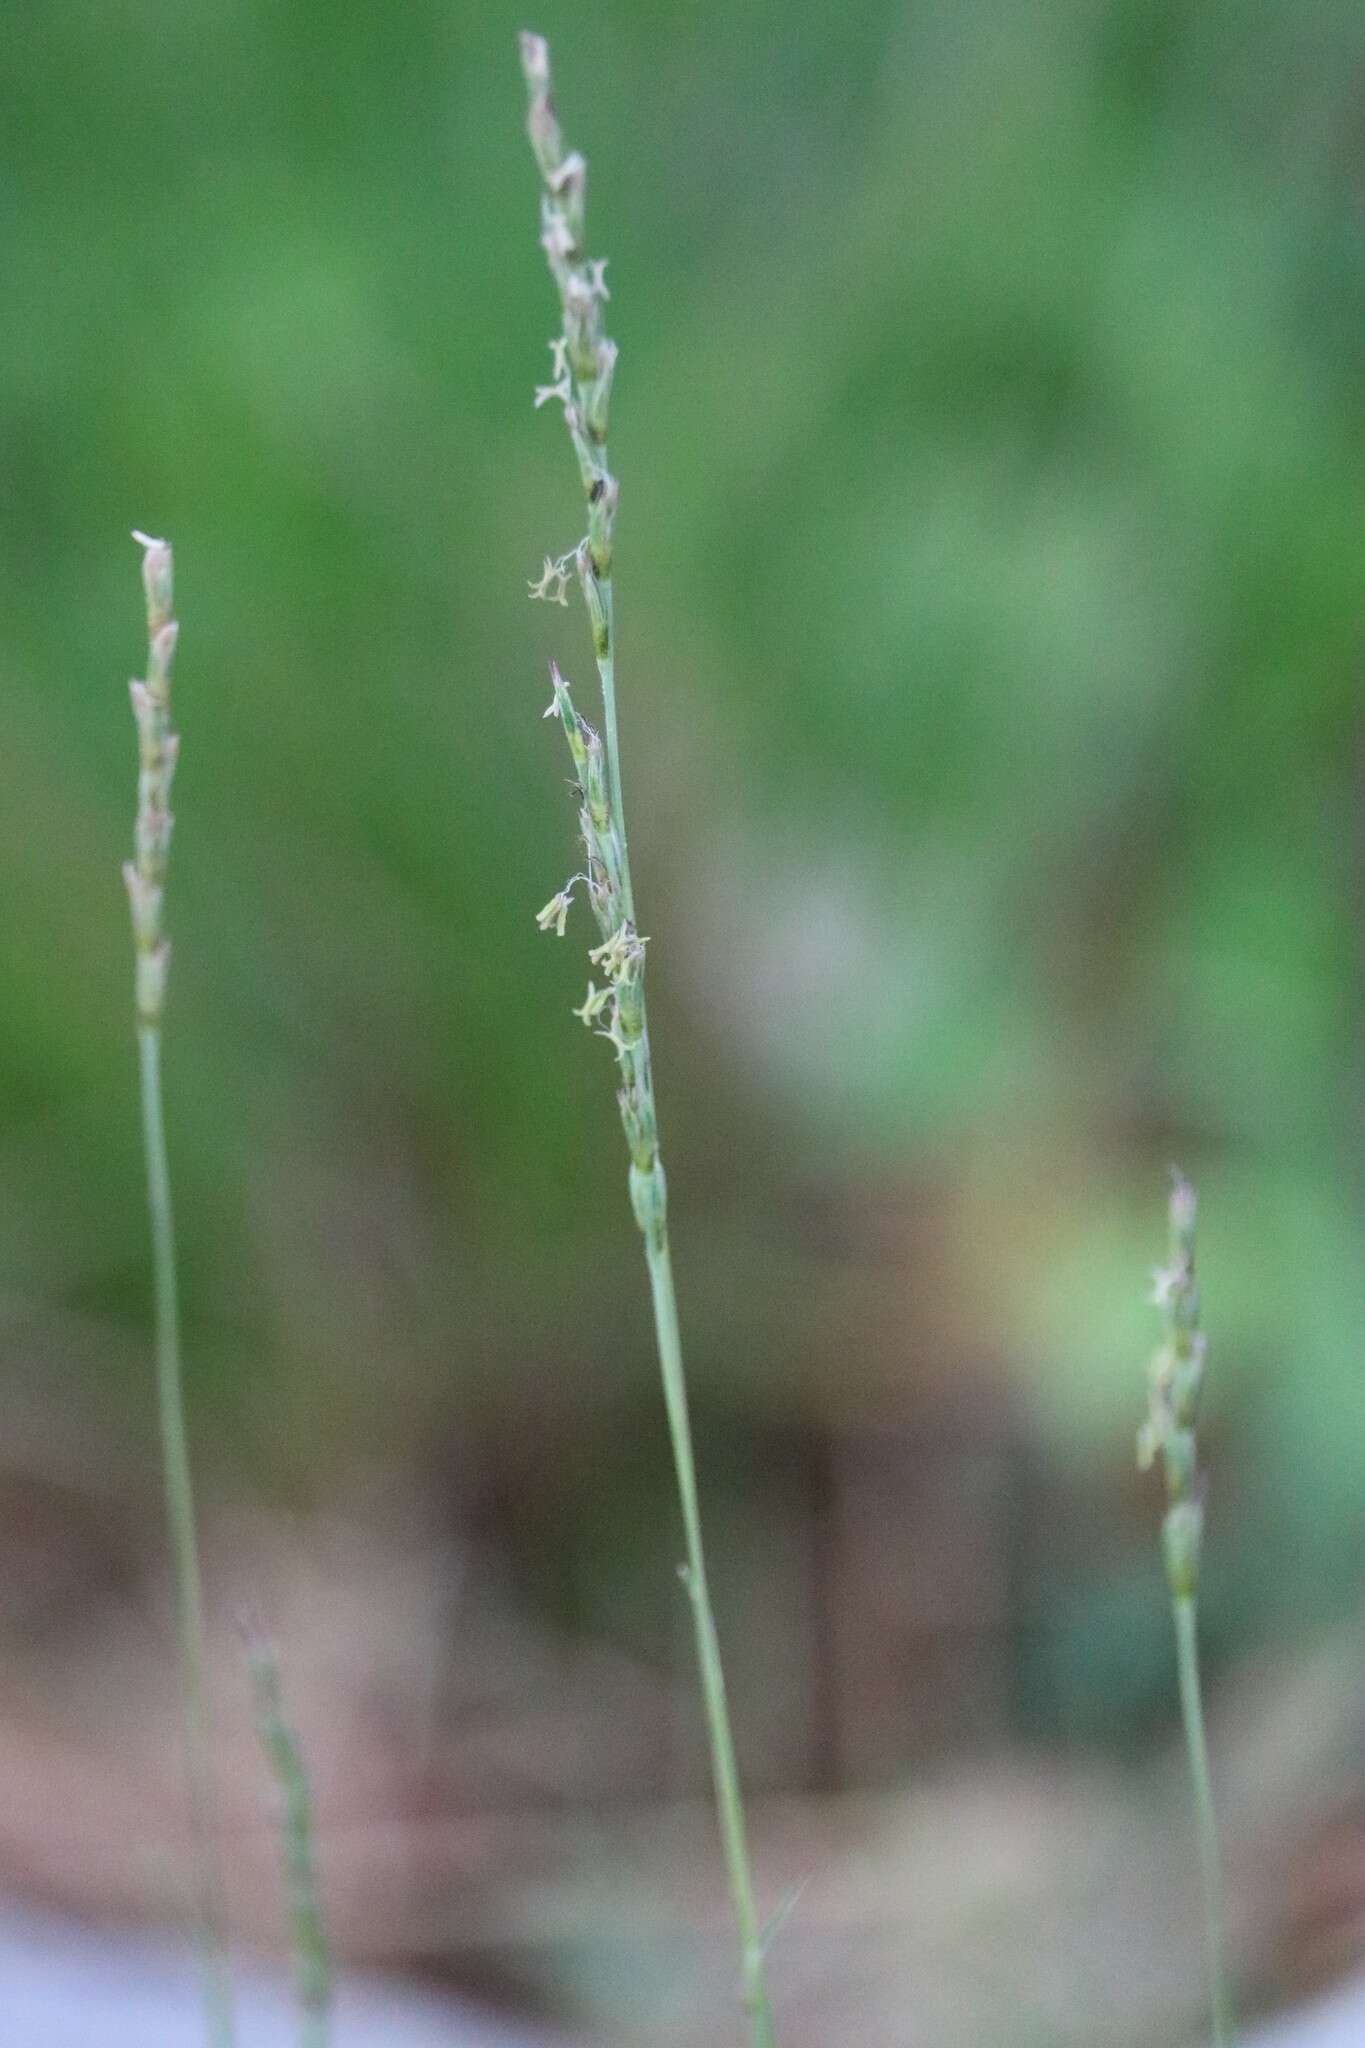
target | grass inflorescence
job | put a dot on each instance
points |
(297, 1833)
(1175, 1384)
(583, 369)
(145, 878)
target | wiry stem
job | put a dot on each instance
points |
(724, 1768)
(606, 669)
(145, 877)
(584, 366)
(1183, 1607)
(1175, 1383)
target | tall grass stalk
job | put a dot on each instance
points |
(1175, 1382)
(584, 363)
(145, 877)
(296, 1829)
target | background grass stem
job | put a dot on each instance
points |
(1184, 1608)
(184, 1547)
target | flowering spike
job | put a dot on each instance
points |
(1175, 1383)
(583, 372)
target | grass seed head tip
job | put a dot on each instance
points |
(535, 56)
(157, 578)
(1184, 1204)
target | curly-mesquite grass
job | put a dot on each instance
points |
(584, 362)
(296, 1830)
(1176, 1379)
(145, 877)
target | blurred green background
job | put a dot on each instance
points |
(989, 570)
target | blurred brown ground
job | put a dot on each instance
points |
(513, 1800)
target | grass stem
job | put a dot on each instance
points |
(724, 1768)
(1184, 1609)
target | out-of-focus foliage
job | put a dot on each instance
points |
(990, 570)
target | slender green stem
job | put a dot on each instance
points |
(1183, 1607)
(724, 1766)
(189, 1601)
(652, 1217)
(668, 1338)
(724, 1769)
(606, 669)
